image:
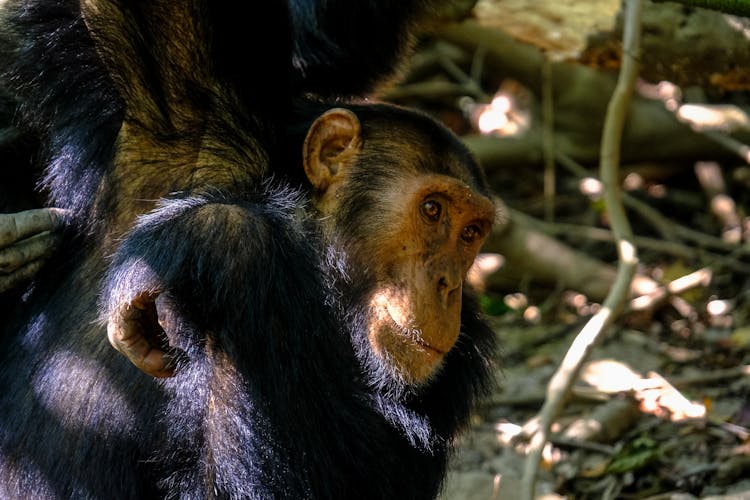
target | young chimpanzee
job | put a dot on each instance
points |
(322, 341)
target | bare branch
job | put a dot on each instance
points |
(562, 381)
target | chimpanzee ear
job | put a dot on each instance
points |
(331, 145)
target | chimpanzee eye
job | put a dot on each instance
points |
(431, 210)
(471, 233)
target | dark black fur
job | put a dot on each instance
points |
(346, 48)
(52, 71)
(276, 397)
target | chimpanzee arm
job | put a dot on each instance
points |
(362, 42)
(26, 240)
(215, 259)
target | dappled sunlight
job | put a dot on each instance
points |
(653, 392)
(658, 397)
(484, 265)
(718, 307)
(657, 191)
(494, 118)
(504, 116)
(723, 207)
(507, 432)
(667, 92)
(67, 385)
(516, 301)
(701, 117)
(724, 118)
(609, 376)
(533, 315)
(738, 24)
(628, 253)
(591, 187)
(633, 181)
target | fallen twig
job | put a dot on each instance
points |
(701, 277)
(522, 241)
(584, 445)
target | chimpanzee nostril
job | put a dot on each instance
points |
(448, 291)
(442, 284)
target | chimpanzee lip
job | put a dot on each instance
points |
(431, 348)
(415, 336)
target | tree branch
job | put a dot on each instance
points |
(562, 381)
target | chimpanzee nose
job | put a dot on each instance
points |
(449, 290)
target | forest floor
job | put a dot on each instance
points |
(662, 408)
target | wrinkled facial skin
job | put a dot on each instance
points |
(415, 307)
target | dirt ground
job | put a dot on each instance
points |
(661, 410)
(614, 441)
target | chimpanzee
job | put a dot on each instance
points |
(321, 339)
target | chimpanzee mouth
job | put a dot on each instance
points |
(394, 309)
(429, 348)
(414, 335)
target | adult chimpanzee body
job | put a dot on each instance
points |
(338, 49)
(323, 346)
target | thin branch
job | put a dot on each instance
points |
(461, 77)
(562, 381)
(732, 144)
(548, 141)
(730, 261)
(477, 63)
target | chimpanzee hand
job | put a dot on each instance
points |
(26, 240)
(134, 330)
